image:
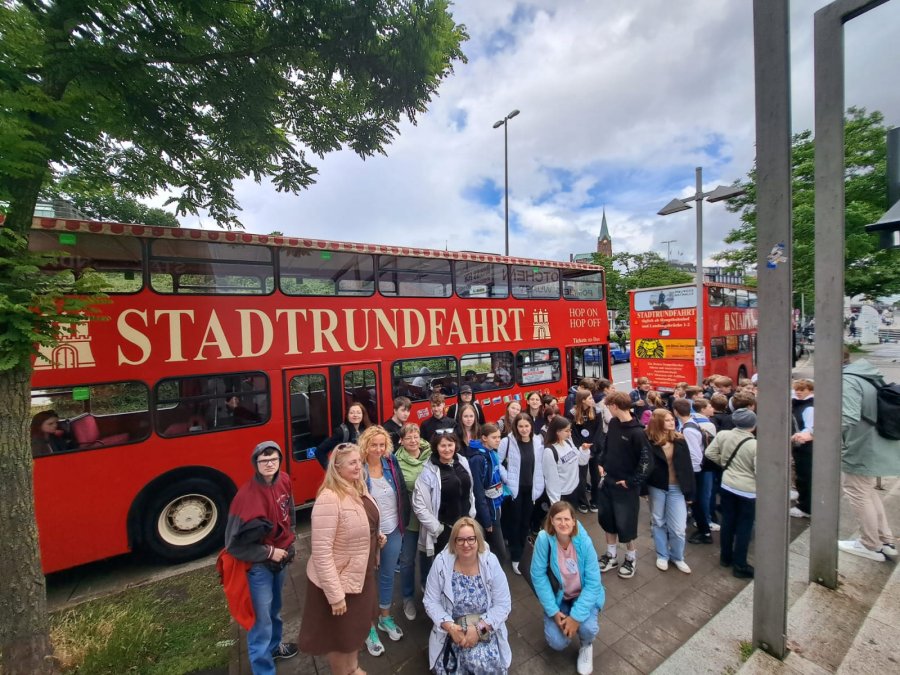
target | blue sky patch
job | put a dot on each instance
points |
(486, 192)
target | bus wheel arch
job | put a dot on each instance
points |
(181, 515)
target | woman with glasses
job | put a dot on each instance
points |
(467, 597)
(412, 456)
(442, 495)
(566, 580)
(341, 596)
(385, 483)
(348, 431)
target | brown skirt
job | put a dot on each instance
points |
(321, 631)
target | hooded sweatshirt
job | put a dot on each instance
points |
(261, 517)
(627, 453)
(411, 467)
(864, 452)
(487, 483)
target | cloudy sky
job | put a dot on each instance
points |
(619, 102)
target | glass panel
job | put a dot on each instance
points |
(191, 267)
(193, 404)
(309, 414)
(417, 379)
(537, 365)
(481, 280)
(743, 298)
(717, 347)
(488, 370)
(753, 302)
(360, 386)
(587, 361)
(534, 282)
(118, 260)
(682, 297)
(414, 277)
(89, 417)
(581, 285)
(312, 272)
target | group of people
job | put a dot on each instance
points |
(458, 497)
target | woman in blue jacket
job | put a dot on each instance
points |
(566, 579)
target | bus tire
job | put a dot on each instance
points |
(185, 520)
(742, 374)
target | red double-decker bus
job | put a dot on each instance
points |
(215, 341)
(664, 333)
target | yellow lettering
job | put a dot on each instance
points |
(351, 330)
(436, 324)
(517, 313)
(214, 328)
(390, 328)
(174, 317)
(478, 327)
(292, 314)
(265, 324)
(499, 321)
(408, 328)
(134, 336)
(456, 330)
(322, 330)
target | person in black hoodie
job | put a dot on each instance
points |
(587, 432)
(625, 462)
(348, 431)
(670, 486)
(802, 445)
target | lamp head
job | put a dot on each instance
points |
(499, 123)
(723, 192)
(512, 114)
(673, 206)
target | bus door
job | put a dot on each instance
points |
(317, 402)
(586, 361)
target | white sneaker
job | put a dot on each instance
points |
(714, 527)
(889, 551)
(586, 659)
(662, 563)
(854, 547)
(797, 513)
(681, 565)
(794, 495)
(409, 609)
(373, 643)
(515, 567)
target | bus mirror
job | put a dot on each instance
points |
(664, 332)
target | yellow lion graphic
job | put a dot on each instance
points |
(651, 349)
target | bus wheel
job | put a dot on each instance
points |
(742, 373)
(185, 520)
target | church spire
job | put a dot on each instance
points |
(604, 241)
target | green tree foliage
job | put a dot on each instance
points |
(627, 271)
(869, 270)
(104, 204)
(131, 97)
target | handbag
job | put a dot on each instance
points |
(448, 657)
(525, 564)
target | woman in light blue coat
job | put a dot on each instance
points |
(566, 579)
(467, 598)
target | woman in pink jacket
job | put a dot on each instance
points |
(341, 596)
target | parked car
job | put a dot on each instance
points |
(619, 354)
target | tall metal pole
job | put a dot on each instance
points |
(699, 275)
(506, 179)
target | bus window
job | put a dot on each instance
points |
(537, 365)
(481, 280)
(487, 370)
(743, 298)
(414, 277)
(535, 282)
(744, 343)
(200, 267)
(417, 378)
(752, 301)
(309, 413)
(717, 347)
(582, 285)
(118, 261)
(312, 272)
(729, 297)
(89, 417)
(191, 405)
(360, 386)
(587, 362)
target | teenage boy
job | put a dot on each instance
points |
(466, 397)
(484, 464)
(402, 406)
(639, 393)
(260, 534)
(693, 436)
(438, 422)
(802, 445)
(624, 463)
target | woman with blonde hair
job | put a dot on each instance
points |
(670, 486)
(467, 597)
(506, 423)
(341, 601)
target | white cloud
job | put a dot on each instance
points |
(620, 101)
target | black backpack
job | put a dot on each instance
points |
(887, 422)
(706, 464)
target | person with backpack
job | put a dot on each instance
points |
(348, 431)
(867, 451)
(487, 486)
(698, 439)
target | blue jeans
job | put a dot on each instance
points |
(265, 635)
(668, 516)
(587, 631)
(390, 554)
(408, 554)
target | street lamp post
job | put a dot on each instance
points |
(498, 124)
(718, 194)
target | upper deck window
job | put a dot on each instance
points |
(414, 277)
(530, 282)
(582, 285)
(481, 279)
(202, 267)
(304, 271)
(681, 297)
(117, 260)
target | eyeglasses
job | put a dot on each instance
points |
(468, 541)
(274, 460)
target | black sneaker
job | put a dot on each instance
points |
(743, 571)
(593, 508)
(582, 508)
(626, 571)
(700, 538)
(607, 563)
(286, 650)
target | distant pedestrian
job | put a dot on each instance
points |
(865, 454)
(802, 412)
(260, 534)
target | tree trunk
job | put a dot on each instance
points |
(24, 627)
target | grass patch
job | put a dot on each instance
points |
(854, 348)
(171, 627)
(746, 649)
